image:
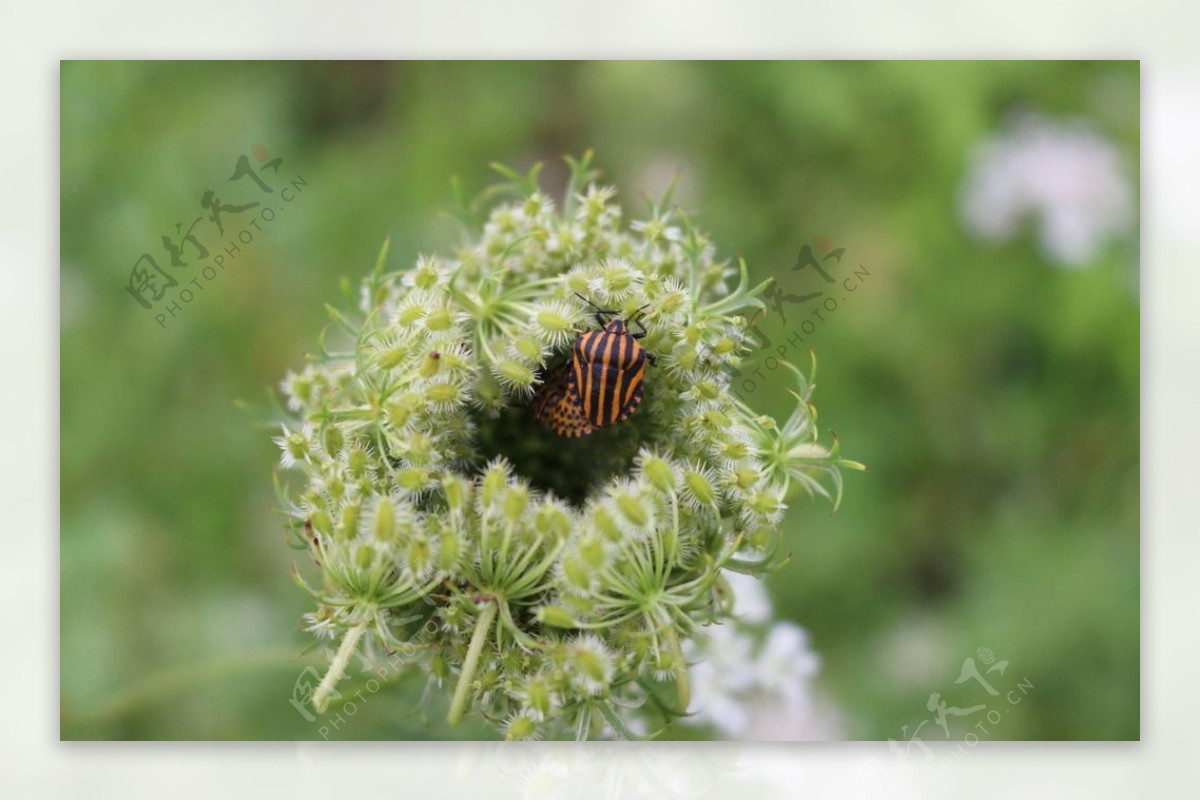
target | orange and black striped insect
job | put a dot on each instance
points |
(603, 380)
(556, 406)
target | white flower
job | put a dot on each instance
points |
(1062, 174)
(734, 682)
(723, 675)
(751, 603)
(786, 664)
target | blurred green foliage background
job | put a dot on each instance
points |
(993, 395)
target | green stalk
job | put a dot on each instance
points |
(458, 705)
(683, 687)
(320, 699)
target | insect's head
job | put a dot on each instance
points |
(616, 319)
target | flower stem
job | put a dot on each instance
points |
(320, 699)
(683, 687)
(673, 545)
(482, 625)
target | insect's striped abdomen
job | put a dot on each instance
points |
(607, 370)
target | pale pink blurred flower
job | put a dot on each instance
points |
(1060, 174)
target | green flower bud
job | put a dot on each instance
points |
(672, 302)
(633, 508)
(418, 446)
(759, 538)
(439, 320)
(553, 521)
(448, 549)
(358, 462)
(431, 364)
(577, 572)
(539, 696)
(735, 450)
(658, 471)
(494, 482)
(413, 479)
(456, 492)
(664, 660)
(515, 374)
(591, 551)
(419, 554)
(425, 276)
(618, 278)
(707, 390)
(321, 523)
(591, 664)
(335, 486)
(489, 680)
(717, 421)
(512, 662)
(439, 667)
(686, 357)
(398, 414)
(297, 446)
(521, 727)
(391, 358)
(700, 487)
(528, 348)
(515, 502)
(444, 394)
(557, 617)
(348, 524)
(409, 314)
(553, 322)
(332, 439)
(385, 521)
(606, 524)
(766, 502)
(488, 391)
(744, 478)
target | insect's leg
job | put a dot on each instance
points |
(636, 319)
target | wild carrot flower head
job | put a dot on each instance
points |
(548, 584)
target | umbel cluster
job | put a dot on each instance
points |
(523, 470)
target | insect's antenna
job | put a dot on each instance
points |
(588, 302)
